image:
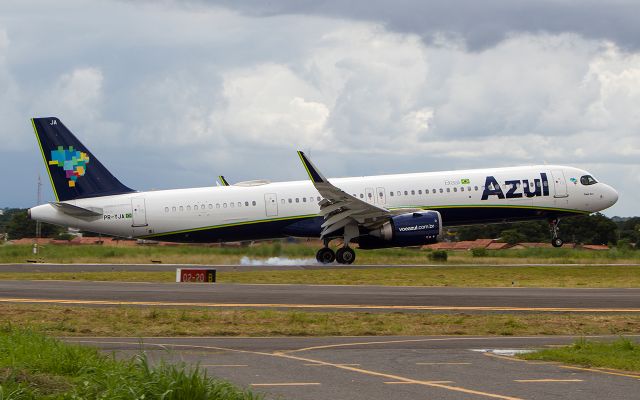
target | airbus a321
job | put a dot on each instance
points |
(371, 212)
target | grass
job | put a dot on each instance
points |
(622, 354)
(467, 276)
(33, 366)
(261, 251)
(138, 321)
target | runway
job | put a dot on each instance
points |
(384, 367)
(323, 297)
(281, 265)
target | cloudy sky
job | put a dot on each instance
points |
(171, 94)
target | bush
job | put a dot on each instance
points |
(438, 255)
(479, 252)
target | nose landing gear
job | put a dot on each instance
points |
(553, 227)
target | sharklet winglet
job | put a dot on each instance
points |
(312, 171)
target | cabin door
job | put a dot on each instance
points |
(138, 212)
(559, 183)
(271, 204)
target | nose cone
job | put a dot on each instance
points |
(610, 195)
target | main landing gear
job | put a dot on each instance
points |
(553, 227)
(344, 255)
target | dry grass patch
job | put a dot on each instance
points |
(137, 321)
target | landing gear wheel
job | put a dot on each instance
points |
(553, 227)
(325, 255)
(345, 255)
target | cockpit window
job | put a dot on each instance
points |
(587, 180)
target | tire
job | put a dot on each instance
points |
(325, 256)
(557, 242)
(345, 255)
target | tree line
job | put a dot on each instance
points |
(587, 229)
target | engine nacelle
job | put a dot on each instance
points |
(411, 229)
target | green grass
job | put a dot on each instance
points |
(473, 276)
(33, 366)
(232, 255)
(165, 321)
(622, 354)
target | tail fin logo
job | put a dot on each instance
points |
(73, 162)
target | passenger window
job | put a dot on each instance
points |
(217, 205)
(210, 206)
(181, 209)
(420, 191)
(441, 190)
(173, 209)
(232, 204)
(239, 204)
(448, 190)
(188, 208)
(361, 196)
(370, 195)
(381, 194)
(433, 191)
(253, 202)
(166, 209)
(413, 192)
(462, 188)
(310, 199)
(454, 189)
(318, 198)
(406, 193)
(290, 200)
(281, 201)
(195, 208)
(476, 188)
(224, 205)
(398, 193)
(202, 206)
(391, 193)
(304, 199)
(297, 200)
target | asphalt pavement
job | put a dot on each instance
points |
(385, 367)
(323, 297)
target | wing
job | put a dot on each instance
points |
(339, 208)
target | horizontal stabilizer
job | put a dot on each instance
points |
(76, 211)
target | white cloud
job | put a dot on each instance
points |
(218, 85)
(270, 105)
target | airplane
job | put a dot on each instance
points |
(371, 212)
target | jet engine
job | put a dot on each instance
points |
(410, 229)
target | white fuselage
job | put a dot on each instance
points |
(458, 195)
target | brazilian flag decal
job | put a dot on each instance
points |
(465, 181)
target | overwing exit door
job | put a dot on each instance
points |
(369, 195)
(381, 196)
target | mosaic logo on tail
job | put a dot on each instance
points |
(74, 162)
